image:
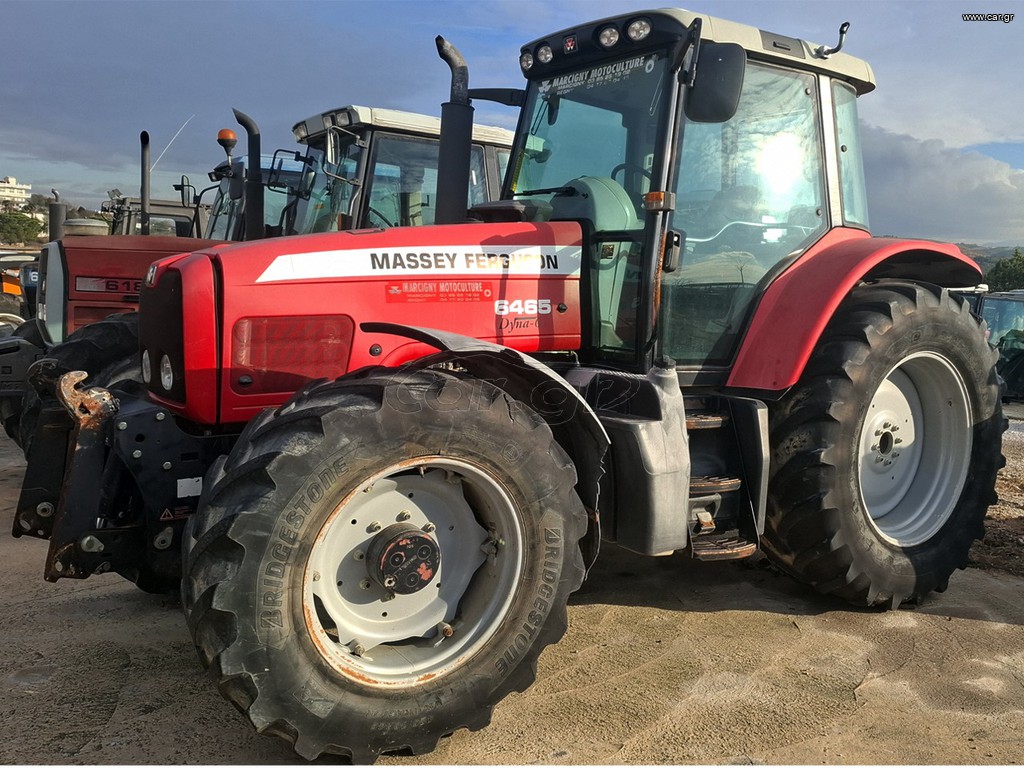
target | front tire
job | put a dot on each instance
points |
(381, 560)
(885, 453)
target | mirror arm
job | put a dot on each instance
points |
(689, 43)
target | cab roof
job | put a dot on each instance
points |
(391, 119)
(759, 44)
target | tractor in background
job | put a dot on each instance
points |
(359, 167)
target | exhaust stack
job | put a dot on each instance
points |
(253, 179)
(144, 191)
(456, 140)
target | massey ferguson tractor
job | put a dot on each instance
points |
(381, 461)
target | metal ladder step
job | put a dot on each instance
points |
(730, 546)
(706, 420)
(706, 485)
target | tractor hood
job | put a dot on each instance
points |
(290, 309)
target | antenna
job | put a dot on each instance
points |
(172, 141)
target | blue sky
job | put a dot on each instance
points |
(944, 131)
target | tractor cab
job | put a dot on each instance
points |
(372, 167)
(707, 169)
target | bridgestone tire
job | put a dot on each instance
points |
(885, 454)
(107, 350)
(279, 587)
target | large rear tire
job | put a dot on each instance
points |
(885, 454)
(108, 350)
(381, 560)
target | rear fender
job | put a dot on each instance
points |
(573, 422)
(795, 309)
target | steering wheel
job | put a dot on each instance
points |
(370, 210)
(632, 167)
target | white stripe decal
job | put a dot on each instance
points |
(524, 260)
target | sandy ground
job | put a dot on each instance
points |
(665, 661)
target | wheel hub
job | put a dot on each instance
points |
(403, 559)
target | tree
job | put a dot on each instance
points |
(16, 228)
(1008, 273)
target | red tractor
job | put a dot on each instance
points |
(389, 456)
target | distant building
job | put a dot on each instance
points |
(12, 194)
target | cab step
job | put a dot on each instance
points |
(706, 420)
(707, 485)
(728, 546)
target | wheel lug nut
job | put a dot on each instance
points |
(874, 447)
(373, 527)
(898, 440)
(878, 433)
(403, 516)
(364, 584)
(879, 459)
(358, 555)
(429, 528)
(886, 425)
(316, 575)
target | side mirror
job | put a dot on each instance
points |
(186, 191)
(718, 81)
(236, 180)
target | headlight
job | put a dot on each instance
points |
(166, 374)
(544, 54)
(526, 61)
(147, 368)
(608, 36)
(638, 30)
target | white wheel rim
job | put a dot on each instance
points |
(915, 449)
(386, 639)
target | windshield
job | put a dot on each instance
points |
(587, 149)
(228, 206)
(402, 181)
(596, 126)
(327, 205)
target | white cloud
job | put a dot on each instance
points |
(927, 189)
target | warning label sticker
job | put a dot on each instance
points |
(438, 291)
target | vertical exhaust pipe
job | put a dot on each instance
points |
(144, 191)
(456, 140)
(253, 179)
(58, 211)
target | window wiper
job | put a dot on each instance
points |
(566, 191)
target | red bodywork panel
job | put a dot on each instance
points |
(798, 305)
(295, 304)
(104, 273)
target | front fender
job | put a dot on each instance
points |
(798, 305)
(573, 422)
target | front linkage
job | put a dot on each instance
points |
(120, 480)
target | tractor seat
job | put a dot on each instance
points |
(597, 199)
